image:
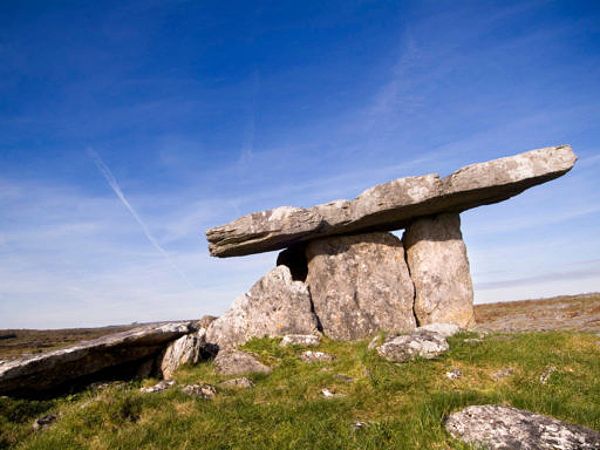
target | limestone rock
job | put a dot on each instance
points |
(410, 346)
(238, 383)
(57, 369)
(205, 391)
(454, 374)
(503, 373)
(275, 306)
(439, 268)
(158, 387)
(499, 427)
(393, 205)
(305, 340)
(360, 285)
(235, 362)
(189, 349)
(310, 356)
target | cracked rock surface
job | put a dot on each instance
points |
(499, 427)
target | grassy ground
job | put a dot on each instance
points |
(402, 404)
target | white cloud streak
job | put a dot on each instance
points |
(114, 185)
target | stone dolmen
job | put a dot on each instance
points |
(344, 274)
(341, 273)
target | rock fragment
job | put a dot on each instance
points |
(158, 387)
(237, 383)
(500, 427)
(235, 362)
(189, 349)
(407, 347)
(309, 356)
(502, 373)
(454, 374)
(205, 391)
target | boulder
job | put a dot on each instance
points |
(235, 362)
(275, 306)
(119, 353)
(411, 346)
(360, 285)
(393, 205)
(439, 269)
(189, 349)
(500, 427)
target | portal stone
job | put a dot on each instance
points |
(360, 285)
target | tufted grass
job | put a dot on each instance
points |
(403, 404)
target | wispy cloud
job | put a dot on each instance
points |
(114, 185)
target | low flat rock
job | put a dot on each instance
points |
(235, 362)
(439, 267)
(426, 345)
(360, 285)
(499, 427)
(59, 368)
(275, 306)
(393, 205)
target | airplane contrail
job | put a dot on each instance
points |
(114, 185)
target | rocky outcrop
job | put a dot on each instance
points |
(107, 355)
(393, 205)
(421, 344)
(439, 268)
(235, 362)
(359, 285)
(275, 306)
(500, 427)
(189, 349)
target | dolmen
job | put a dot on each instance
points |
(343, 273)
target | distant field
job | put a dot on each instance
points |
(576, 312)
(572, 312)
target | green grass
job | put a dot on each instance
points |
(403, 404)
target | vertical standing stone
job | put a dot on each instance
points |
(360, 285)
(439, 268)
(275, 306)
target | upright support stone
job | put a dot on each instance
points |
(360, 285)
(439, 268)
(275, 306)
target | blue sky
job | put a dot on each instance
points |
(128, 128)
